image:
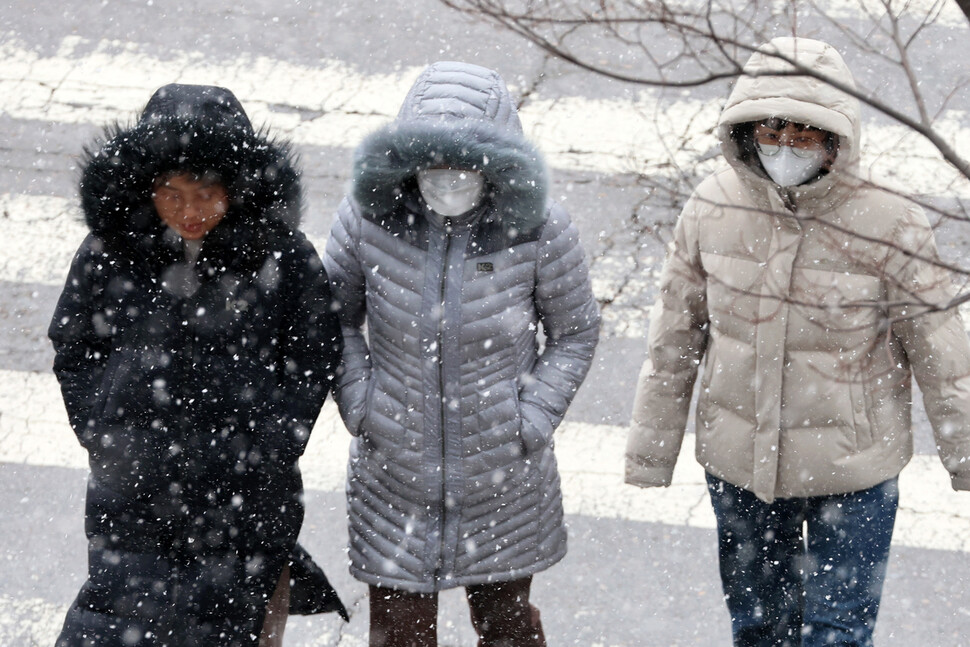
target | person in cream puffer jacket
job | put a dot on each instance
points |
(810, 298)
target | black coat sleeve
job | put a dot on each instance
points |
(310, 348)
(81, 337)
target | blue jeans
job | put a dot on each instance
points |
(789, 588)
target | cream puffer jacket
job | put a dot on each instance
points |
(811, 309)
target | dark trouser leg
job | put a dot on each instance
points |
(759, 549)
(502, 615)
(848, 549)
(277, 610)
(401, 619)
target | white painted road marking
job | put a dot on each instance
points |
(332, 104)
(30, 622)
(38, 238)
(948, 13)
(48, 231)
(34, 431)
(34, 622)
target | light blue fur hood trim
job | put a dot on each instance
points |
(387, 160)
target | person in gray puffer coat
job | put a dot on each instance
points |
(450, 252)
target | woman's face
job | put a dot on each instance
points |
(189, 205)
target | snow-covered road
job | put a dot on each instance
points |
(642, 563)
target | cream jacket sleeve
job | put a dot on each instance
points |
(935, 340)
(676, 343)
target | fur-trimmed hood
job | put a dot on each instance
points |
(201, 130)
(458, 115)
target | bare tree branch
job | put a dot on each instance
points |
(687, 44)
(538, 23)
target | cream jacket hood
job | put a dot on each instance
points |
(810, 310)
(772, 87)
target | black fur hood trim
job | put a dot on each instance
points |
(197, 129)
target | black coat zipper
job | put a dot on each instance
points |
(188, 306)
(442, 508)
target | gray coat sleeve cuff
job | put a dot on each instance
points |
(352, 402)
(536, 429)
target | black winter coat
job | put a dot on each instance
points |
(193, 388)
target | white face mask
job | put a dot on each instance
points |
(788, 169)
(451, 192)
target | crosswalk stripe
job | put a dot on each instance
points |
(30, 621)
(45, 230)
(34, 431)
(332, 104)
(50, 228)
(948, 14)
(34, 622)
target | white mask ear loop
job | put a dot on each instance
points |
(788, 169)
(451, 192)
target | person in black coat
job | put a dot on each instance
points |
(195, 344)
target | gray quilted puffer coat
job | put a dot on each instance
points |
(451, 397)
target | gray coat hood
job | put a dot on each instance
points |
(458, 115)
